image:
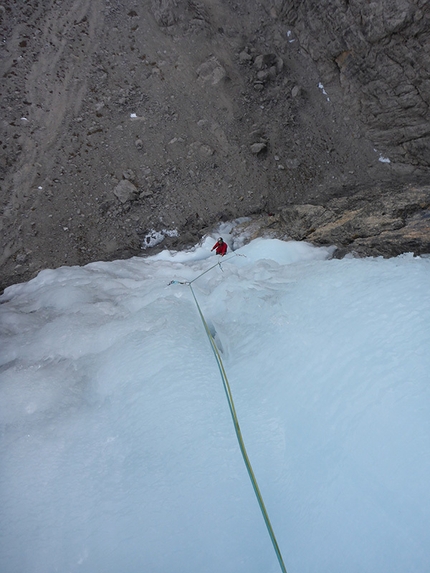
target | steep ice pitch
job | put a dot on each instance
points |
(117, 449)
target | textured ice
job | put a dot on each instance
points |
(117, 450)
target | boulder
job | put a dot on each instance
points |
(129, 175)
(125, 191)
(257, 148)
(245, 57)
(211, 71)
(267, 61)
(163, 11)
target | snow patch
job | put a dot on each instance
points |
(154, 238)
(321, 87)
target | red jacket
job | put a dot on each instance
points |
(221, 248)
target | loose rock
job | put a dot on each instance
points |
(125, 191)
(257, 148)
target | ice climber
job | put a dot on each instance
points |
(220, 246)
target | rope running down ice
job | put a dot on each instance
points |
(234, 417)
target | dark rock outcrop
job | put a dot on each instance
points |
(374, 58)
(372, 223)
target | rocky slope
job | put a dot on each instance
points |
(124, 121)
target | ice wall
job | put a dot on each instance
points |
(117, 449)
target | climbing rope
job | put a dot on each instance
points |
(235, 419)
(218, 264)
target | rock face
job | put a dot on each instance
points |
(123, 118)
(374, 57)
(374, 222)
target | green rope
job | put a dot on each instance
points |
(238, 432)
(212, 267)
